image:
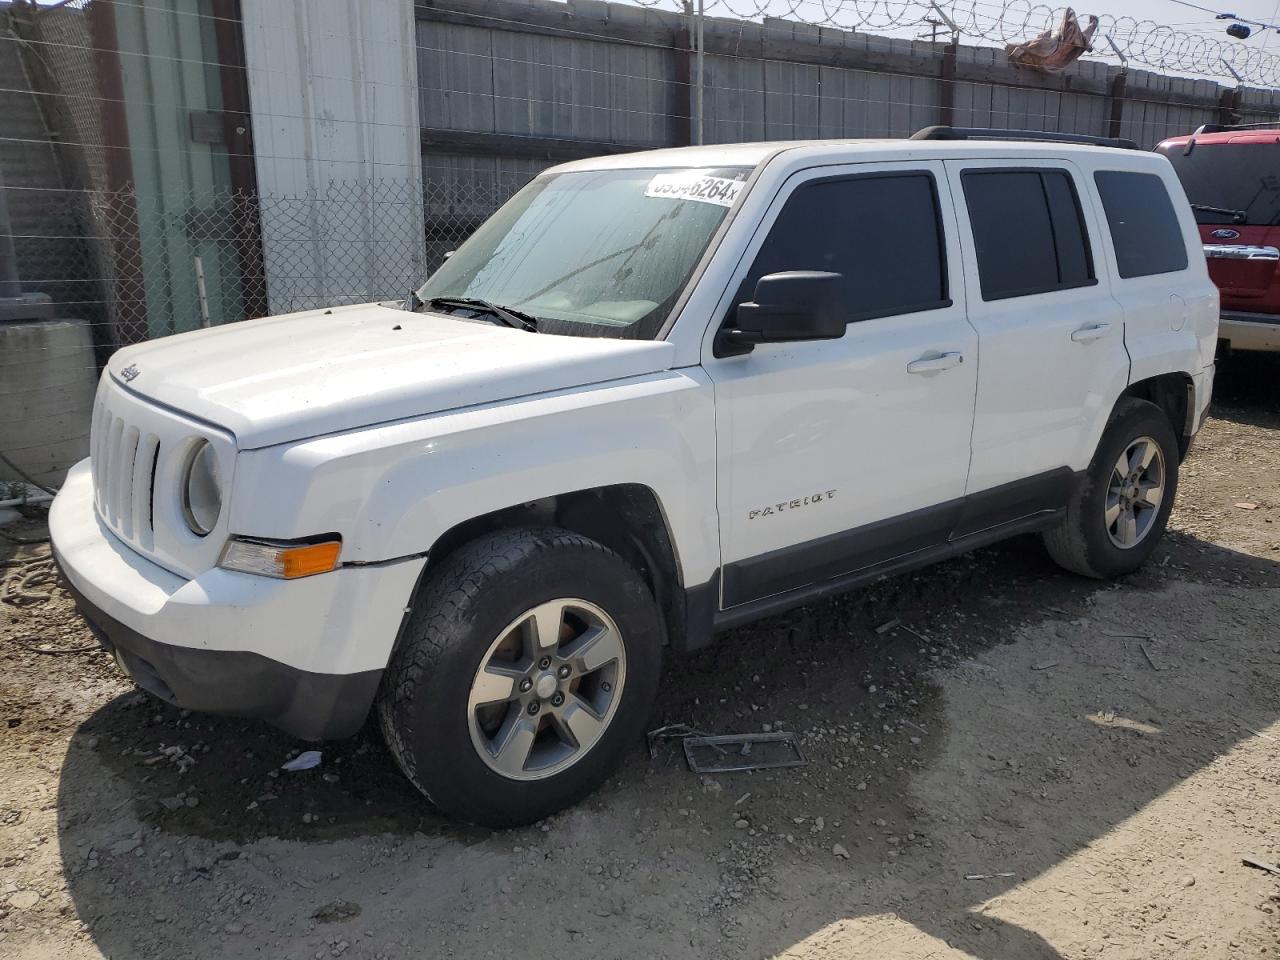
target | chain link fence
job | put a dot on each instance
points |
(139, 267)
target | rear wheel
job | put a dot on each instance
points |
(1121, 508)
(529, 664)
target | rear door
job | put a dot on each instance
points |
(1050, 334)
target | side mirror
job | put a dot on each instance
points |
(796, 305)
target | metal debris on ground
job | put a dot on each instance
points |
(18, 588)
(36, 646)
(886, 627)
(1046, 665)
(916, 633)
(672, 731)
(1151, 660)
(739, 752)
(303, 761)
(988, 876)
(336, 912)
(1257, 864)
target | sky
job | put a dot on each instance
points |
(1181, 17)
(1184, 18)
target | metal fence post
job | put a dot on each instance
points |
(702, 48)
(1116, 93)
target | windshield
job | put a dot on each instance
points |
(1242, 177)
(598, 253)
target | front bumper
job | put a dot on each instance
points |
(306, 655)
(1250, 331)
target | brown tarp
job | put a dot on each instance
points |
(1054, 51)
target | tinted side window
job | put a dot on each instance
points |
(1028, 232)
(881, 233)
(1144, 226)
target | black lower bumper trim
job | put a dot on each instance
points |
(313, 706)
(1239, 316)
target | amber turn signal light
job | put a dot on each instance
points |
(282, 559)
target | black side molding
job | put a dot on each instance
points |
(839, 553)
(798, 574)
(747, 612)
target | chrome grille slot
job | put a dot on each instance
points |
(124, 487)
(144, 478)
(98, 447)
(111, 470)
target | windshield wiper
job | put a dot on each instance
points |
(1237, 216)
(512, 318)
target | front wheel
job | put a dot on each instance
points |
(1119, 512)
(529, 664)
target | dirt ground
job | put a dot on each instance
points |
(1030, 766)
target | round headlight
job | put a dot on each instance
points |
(202, 489)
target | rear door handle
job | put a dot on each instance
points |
(1091, 332)
(931, 364)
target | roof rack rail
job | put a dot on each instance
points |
(1226, 127)
(993, 133)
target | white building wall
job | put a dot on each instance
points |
(333, 89)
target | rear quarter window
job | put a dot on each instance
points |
(1144, 226)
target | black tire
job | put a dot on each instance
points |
(1081, 543)
(459, 610)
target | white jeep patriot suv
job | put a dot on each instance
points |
(654, 396)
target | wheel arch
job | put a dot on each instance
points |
(626, 517)
(1173, 393)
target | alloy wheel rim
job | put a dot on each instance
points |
(1135, 493)
(546, 689)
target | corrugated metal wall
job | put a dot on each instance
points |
(46, 229)
(507, 87)
(333, 86)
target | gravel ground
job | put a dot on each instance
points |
(1030, 766)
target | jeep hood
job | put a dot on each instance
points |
(307, 374)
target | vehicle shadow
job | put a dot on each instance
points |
(934, 746)
(1246, 389)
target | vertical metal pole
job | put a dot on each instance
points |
(201, 292)
(9, 284)
(698, 81)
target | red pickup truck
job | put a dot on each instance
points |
(1231, 175)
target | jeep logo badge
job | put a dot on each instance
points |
(129, 373)
(1225, 234)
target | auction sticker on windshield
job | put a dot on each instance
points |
(695, 185)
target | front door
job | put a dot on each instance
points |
(837, 455)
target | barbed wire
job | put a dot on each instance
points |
(1143, 42)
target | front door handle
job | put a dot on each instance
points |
(932, 364)
(1092, 332)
